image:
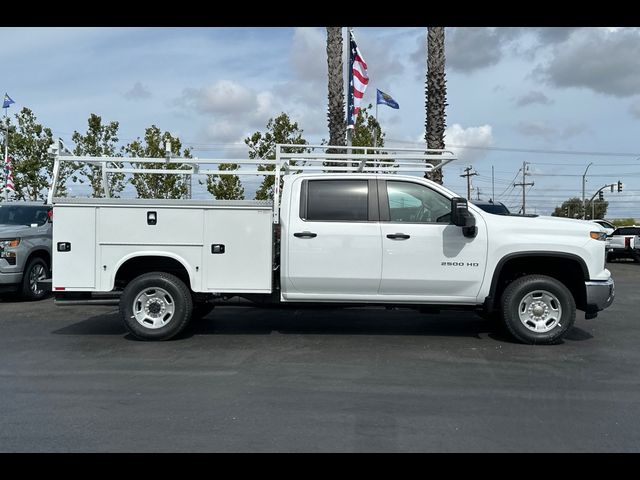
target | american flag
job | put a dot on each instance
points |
(358, 80)
(8, 173)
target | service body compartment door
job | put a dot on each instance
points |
(237, 255)
(74, 247)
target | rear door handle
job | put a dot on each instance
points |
(305, 235)
(398, 236)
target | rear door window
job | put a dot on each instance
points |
(337, 200)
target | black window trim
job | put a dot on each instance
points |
(385, 211)
(373, 213)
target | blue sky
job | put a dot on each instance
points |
(535, 90)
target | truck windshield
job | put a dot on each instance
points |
(22, 215)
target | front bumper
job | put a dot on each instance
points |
(600, 294)
(10, 278)
(9, 282)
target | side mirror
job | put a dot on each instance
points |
(461, 217)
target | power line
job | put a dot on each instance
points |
(530, 150)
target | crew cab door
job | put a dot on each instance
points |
(333, 242)
(424, 256)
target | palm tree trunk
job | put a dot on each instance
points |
(336, 115)
(436, 93)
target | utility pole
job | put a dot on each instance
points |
(468, 173)
(477, 193)
(524, 185)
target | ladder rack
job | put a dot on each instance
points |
(289, 159)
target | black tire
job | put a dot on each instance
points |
(37, 269)
(201, 310)
(164, 293)
(557, 297)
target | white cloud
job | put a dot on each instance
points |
(233, 110)
(468, 143)
(224, 97)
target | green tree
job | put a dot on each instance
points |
(367, 131)
(32, 165)
(150, 185)
(436, 93)
(336, 115)
(262, 146)
(573, 208)
(99, 140)
(225, 187)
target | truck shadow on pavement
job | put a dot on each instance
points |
(252, 321)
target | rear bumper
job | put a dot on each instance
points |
(623, 251)
(600, 294)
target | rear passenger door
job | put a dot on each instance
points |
(333, 241)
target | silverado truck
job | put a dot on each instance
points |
(25, 248)
(348, 228)
(624, 242)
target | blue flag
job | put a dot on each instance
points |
(385, 99)
(7, 101)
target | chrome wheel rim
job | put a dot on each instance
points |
(540, 311)
(153, 308)
(37, 273)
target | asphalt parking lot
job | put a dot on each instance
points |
(353, 380)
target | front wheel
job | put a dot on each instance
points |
(537, 309)
(156, 306)
(36, 270)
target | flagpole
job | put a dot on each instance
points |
(348, 89)
(6, 155)
(375, 137)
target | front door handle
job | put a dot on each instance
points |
(305, 235)
(398, 236)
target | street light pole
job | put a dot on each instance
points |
(584, 204)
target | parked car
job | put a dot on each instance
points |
(25, 248)
(608, 226)
(497, 208)
(624, 242)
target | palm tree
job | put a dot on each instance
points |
(336, 115)
(436, 94)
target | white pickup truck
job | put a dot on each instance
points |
(364, 234)
(624, 242)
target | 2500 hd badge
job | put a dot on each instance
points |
(459, 264)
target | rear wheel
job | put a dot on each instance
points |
(538, 309)
(36, 270)
(156, 306)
